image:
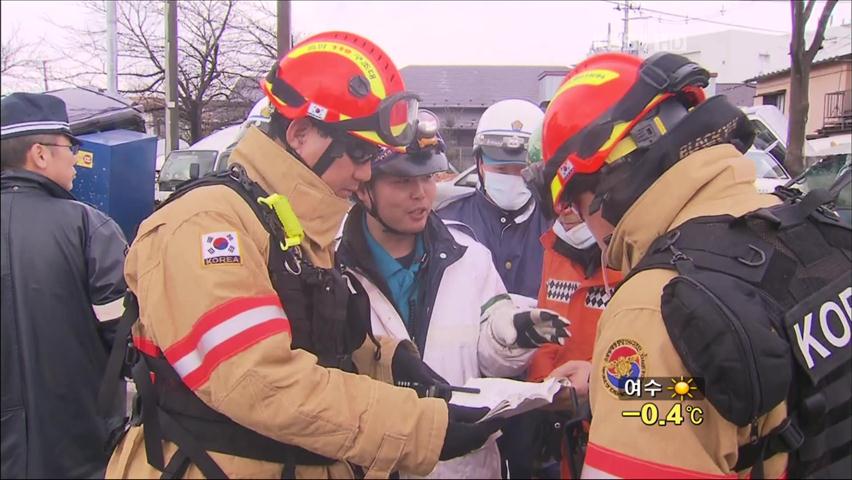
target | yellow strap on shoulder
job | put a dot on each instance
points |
(293, 232)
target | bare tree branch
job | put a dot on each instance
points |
(801, 60)
(215, 51)
(819, 35)
(18, 62)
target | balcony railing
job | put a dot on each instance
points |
(837, 115)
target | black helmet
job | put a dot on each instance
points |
(424, 156)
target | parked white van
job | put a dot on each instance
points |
(206, 154)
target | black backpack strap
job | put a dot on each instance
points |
(189, 451)
(796, 208)
(786, 437)
(236, 178)
(121, 357)
(159, 425)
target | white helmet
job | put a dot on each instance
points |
(504, 130)
(258, 116)
(260, 112)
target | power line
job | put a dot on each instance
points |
(699, 19)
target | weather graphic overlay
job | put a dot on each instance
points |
(678, 414)
(683, 388)
(666, 389)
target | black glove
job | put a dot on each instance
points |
(407, 366)
(538, 326)
(463, 436)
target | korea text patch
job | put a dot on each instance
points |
(220, 248)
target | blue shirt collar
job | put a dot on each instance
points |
(399, 279)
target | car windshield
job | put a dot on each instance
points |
(176, 166)
(767, 166)
(468, 178)
(825, 173)
(766, 142)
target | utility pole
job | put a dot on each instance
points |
(283, 7)
(171, 110)
(626, 23)
(608, 35)
(112, 50)
(625, 39)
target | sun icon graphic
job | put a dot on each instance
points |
(682, 388)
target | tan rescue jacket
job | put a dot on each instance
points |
(198, 267)
(632, 337)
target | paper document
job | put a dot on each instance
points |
(506, 398)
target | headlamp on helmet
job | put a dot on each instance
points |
(423, 156)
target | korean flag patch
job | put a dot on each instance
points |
(317, 111)
(220, 248)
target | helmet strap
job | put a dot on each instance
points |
(277, 130)
(479, 161)
(373, 211)
(326, 159)
(713, 122)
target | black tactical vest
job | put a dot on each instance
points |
(760, 310)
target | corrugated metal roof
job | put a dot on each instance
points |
(474, 85)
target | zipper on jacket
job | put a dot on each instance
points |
(745, 345)
(412, 318)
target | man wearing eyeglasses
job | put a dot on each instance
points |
(59, 258)
(252, 332)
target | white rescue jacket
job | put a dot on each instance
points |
(463, 294)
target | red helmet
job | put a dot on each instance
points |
(590, 119)
(347, 82)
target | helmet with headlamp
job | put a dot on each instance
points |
(425, 155)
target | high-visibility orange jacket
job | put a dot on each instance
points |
(566, 290)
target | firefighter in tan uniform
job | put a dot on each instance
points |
(241, 308)
(631, 186)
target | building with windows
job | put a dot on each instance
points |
(459, 94)
(829, 90)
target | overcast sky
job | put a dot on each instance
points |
(477, 32)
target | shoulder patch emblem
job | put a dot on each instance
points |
(219, 248)
(561, 290)
(624, 359)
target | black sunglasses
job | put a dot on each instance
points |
(73, 147)
(360, 151)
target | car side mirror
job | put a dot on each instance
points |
(194, 171)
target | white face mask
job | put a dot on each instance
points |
(509, 192)
(579, 236)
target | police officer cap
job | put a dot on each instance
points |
(33, 114)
